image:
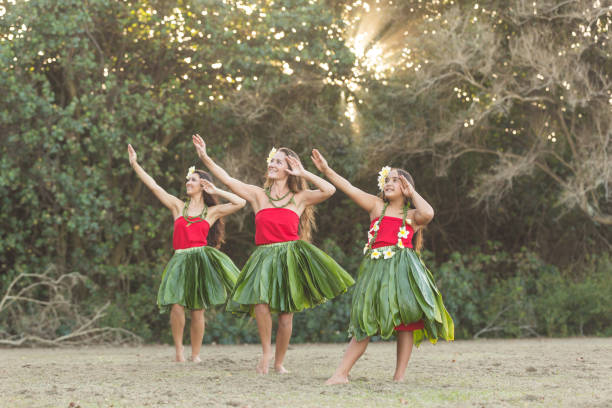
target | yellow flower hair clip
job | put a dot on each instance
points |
(382, 177)
(271, 155)
(190, 172)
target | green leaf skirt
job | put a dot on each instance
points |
(196, 278)
(289, 277)
(398, 290)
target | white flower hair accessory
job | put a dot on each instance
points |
(382, 177)
(190, 172)
(271, 155)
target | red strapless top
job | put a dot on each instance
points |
(190, 236)
(276, 225)
(387, 234)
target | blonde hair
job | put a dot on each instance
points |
(297, 184)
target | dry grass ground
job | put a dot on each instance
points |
(485, 373)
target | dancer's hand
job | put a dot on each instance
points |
(200, 146)
(296, 167)
(319, 161)
(132, 155)
(407, 188)
(209, 187)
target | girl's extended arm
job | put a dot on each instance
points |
(247, 191)
(371, 203)
(170, 201)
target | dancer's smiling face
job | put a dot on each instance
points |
(277, 168)
(194, 185)
(393, 185)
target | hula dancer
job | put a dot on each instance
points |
(394, 293)
(198, 274)
(286, 273)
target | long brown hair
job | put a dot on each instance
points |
(297, 184)
(418, 245)
(216, 235)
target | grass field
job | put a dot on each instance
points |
(573, 372)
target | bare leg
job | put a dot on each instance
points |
(283, 335)
(197, 334)
(177, 323)
(264, 326)
(351, 355)
(404, 350)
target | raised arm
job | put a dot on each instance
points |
(423, 212)
(247, 191)
(170, 201)
(310, 197)
(368, 202)
(221, 210)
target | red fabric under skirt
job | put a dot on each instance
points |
(411, 326)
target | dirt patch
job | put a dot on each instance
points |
(483, 373)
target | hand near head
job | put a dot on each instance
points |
(209, 187)
(199, 145)
(296, 167)
(319, 161)
(407, 188)
(132, 155)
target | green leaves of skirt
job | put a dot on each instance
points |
(289, 277)
(197, 278)
(398, 290)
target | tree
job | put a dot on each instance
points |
(82, 79)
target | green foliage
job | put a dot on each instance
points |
(493, 293)
(572, 305)
(80, 80)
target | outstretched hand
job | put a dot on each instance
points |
(319, 161)
(295, 167)
(199, 145)
(132, 155)
(209, 187)
(407, 188)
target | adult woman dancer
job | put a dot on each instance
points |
(394, 293)
(285, 274)
(198, 275)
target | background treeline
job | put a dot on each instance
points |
(501, 111)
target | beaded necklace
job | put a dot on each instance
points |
(403, 233)
(272, 200)
(192, 220)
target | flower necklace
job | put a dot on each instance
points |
(192, 220)
(373, 233)
(272, 200)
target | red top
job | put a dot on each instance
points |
(189, 236)
(276, 225)
(387, 234)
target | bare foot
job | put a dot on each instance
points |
(280, 369)
(180, 358)
(337, 379)
(398, 379)
(264, 364)
(195, 359)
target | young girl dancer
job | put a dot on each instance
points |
(395, 293)
(198, 274)
(285, 274)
